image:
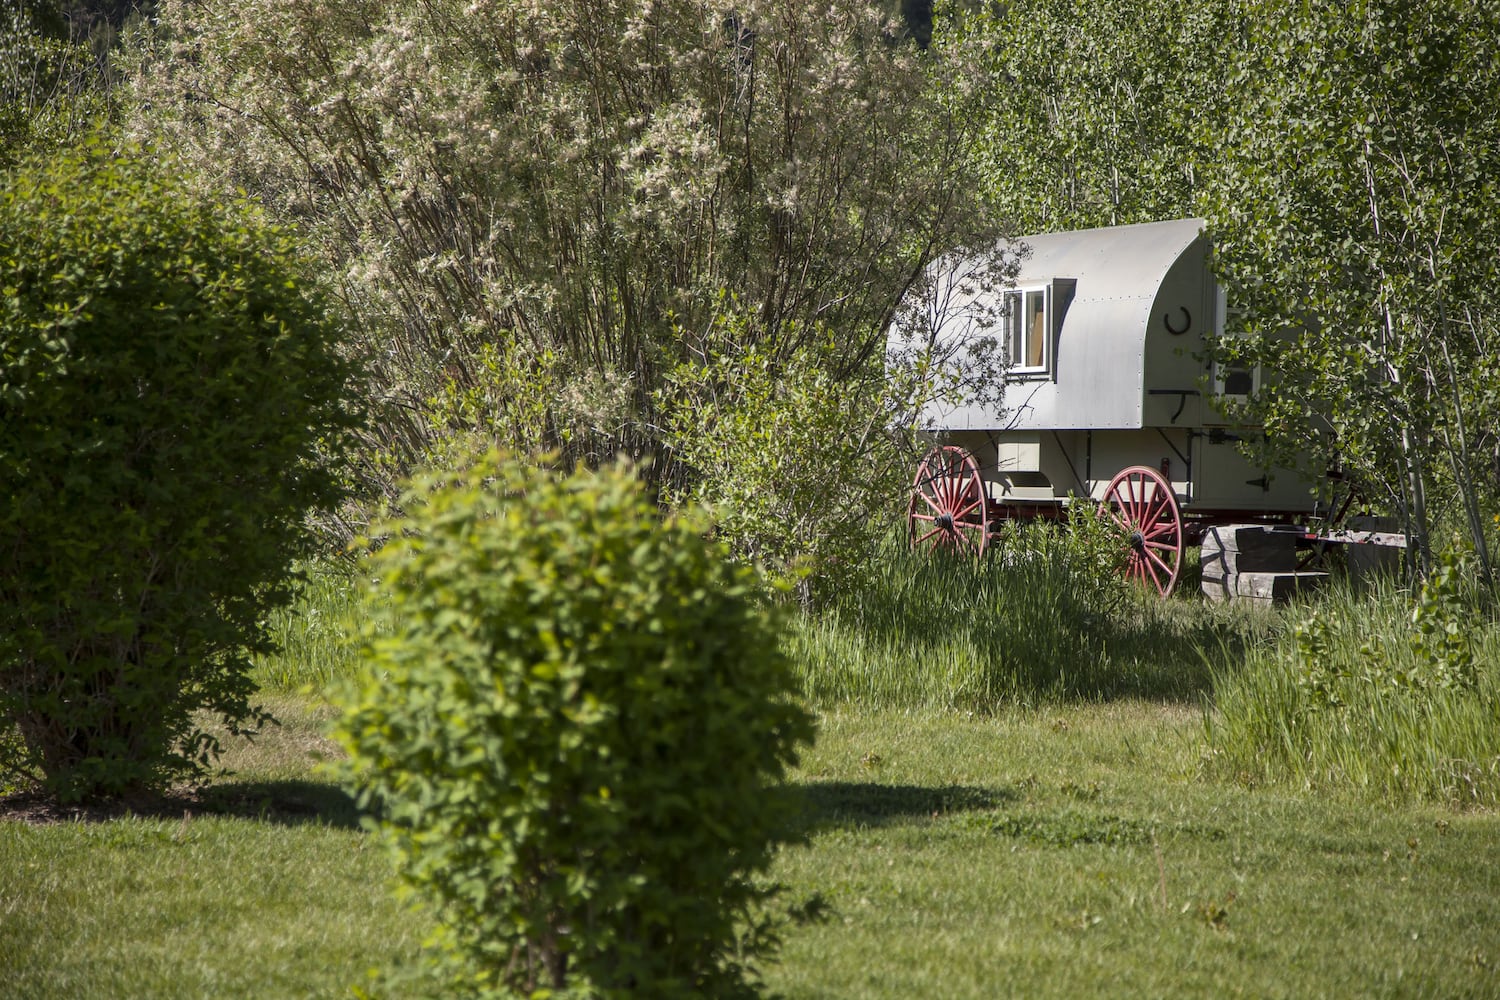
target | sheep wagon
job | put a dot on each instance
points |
(1109, 398)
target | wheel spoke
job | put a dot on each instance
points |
(960, 490)
(924, 538)
(1153, 512)
(1152, 500)
(947, 497)
(1158, 561)
(1133, 510)
(1155, 580)
(1118, 522)
(929, 502)
(1161, 529)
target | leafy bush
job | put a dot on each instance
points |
(1381, 694)
(800, 468)
(571, 724)
(169, 391)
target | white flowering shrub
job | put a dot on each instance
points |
(568, 187)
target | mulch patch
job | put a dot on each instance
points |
(285, 802)
(38, 810)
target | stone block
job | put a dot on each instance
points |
(1366, 560)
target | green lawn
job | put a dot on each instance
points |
(1079, 853)
(1073, 851)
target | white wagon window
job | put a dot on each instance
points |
(1028, 331)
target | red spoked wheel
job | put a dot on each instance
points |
(949, 506)
(1140, 504)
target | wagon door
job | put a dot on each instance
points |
(1224, 479)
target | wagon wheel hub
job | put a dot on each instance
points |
(945, 521)
(1137, 541)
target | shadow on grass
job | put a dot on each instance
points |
(1162, 657)
(285, 803)
(860, 803)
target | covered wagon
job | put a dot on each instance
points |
(1110, 397)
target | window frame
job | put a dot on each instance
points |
(1016, 340)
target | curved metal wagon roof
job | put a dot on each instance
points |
(1124, 279)
(1119, 263)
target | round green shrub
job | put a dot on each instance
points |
(573, 726)
(170, 404)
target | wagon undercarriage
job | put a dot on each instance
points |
(958, 505)
(952, 508)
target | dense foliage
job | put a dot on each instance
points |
(1093, 122)
(799, 465)
(169, 393)
(573, 186)
(52, 90)
(571, 725)
(1357, 221)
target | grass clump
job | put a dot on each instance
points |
(315, 636)
(1044, 617)
(1381, 693)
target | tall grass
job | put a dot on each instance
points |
(317, 632)
(1382, 693)
(1043, 617)
(1343, 692)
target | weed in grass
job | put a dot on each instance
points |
(1215, 913)
(1068, 829)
